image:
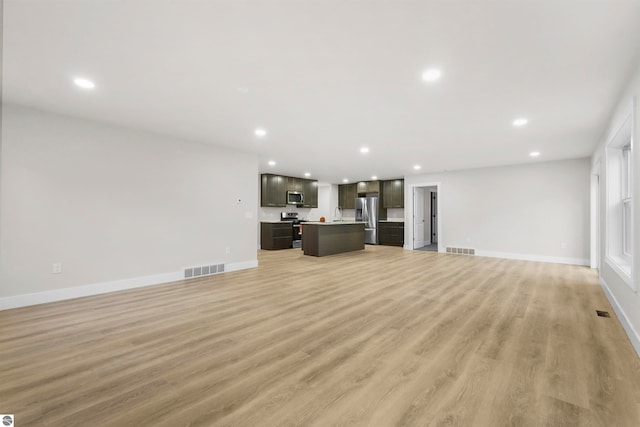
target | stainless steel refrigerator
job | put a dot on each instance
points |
(367, 212)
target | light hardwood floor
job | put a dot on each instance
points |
(383, 337)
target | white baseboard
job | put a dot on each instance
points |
(25, 300)
(633, 335)
(243, 265)
(529, 257)
(523, 257)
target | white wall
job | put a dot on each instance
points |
(115, 205)
(625, 300)
(532, 211)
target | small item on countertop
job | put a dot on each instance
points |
(322, 219)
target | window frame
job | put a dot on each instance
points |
(626, 199)
(619, 212)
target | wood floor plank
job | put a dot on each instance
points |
(381, 337)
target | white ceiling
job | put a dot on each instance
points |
(327, 77)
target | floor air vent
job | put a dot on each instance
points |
(602, 313)
(461, 251)
(203, 270)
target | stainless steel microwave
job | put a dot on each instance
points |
(295, 198)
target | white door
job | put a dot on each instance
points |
(418, 218)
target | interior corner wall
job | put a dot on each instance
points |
(625, 300)
(535, 211)
(114, 205)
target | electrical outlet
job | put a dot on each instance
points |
(57, 268)
(563, 245)
(228, 250)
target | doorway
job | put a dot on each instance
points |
(425, 218)
(433, 218)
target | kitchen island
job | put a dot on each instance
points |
(329, 238)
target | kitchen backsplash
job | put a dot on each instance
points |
(395, 213)
(273, 214)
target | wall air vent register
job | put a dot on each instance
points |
(203, 270)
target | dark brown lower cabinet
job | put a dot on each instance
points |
(391, 233)
(320, 239)
(275, 235)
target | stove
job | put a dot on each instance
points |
(289, 216)
(292, 217)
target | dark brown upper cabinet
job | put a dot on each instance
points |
(310, 191)
(393, 194)
(365, 187)
(273, 190)
(347, 194)
(295, 184)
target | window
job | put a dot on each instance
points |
(619, 201)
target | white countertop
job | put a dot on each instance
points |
(332, 223)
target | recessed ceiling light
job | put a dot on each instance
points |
(417, 167)
(520, 122)
(364, 150)
(84, 83)
(374, 177)
(307, 174)
(431, 75)
(345, 180)
(260, 132)
(272, 163)
(534, 153)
